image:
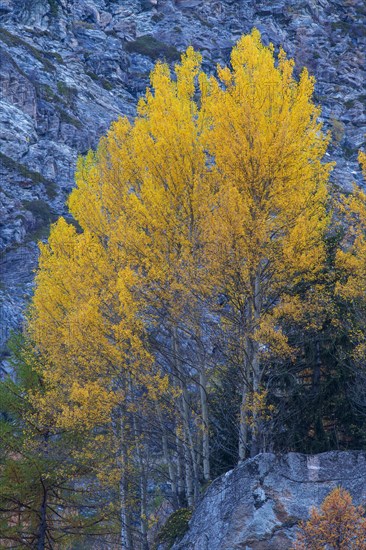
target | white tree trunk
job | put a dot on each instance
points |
(205, 426)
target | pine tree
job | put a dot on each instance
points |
(43, 503)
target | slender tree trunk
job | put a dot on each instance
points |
(255, 367)
(142, 476)
(317, 370)
(243, 426)
(125, 527)
(126, 538)
(190, 460)
(256, 434)
(144, 527)
(180, 472)
(168, 460)
(41, 545)
(188, 472)
(316, 360)
(187, 451)
(190, 445)
(252, 371)
(204, 444)
(205, 423)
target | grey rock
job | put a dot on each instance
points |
(257, 506)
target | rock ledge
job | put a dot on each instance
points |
(257, 505)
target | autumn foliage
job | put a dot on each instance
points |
(191, 311)
(337, 525)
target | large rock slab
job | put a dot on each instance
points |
(258, 505)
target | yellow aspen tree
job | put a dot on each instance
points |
(193, 200)
(267, 226)
(351, 259)
(155, 220)
(351, 262)
(82, 321)
(173, 200)
(137, 201)
(104, 203)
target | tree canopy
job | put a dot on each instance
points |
(191, 313)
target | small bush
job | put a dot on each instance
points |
(58, 57)
(153, 48)
(66, 91)
(53, 7)
(46, 91)
(51, 189)
(84, 25)
(40, 209)
(175, 527)
(68, 119)
(157, 17)
(337, 130)
(92, 75)
(107, 85)
(349, 152)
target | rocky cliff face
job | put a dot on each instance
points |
(69, 67)
(257, 505)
